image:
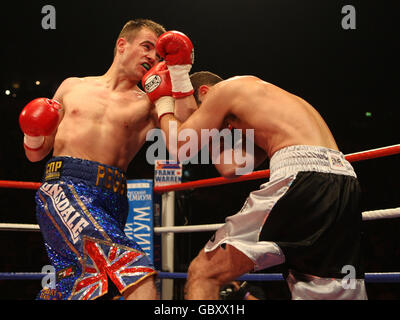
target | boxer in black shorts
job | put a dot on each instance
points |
(307, 216)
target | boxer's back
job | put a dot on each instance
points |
(279, 118)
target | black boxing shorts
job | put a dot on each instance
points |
(308, 217)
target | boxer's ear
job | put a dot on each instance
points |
(201, 93)
(120, 45)
(203, 89)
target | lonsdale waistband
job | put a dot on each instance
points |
(89, 172)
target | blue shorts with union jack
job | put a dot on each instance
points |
(81, 210)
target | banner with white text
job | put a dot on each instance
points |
(139, 225)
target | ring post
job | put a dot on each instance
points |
(167, 172)
(167, 243)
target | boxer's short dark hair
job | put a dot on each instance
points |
(203, 78)
(132, 27)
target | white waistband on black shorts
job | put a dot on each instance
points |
(292, 159)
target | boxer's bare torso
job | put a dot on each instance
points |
(102, 124)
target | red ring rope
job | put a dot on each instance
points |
(353, 157)
(19, 184)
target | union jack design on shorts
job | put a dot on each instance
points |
(121, 264)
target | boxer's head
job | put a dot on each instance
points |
(201, 82)
(135, 51)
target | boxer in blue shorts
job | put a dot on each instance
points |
(307, 216)
(95, 127)
(82, 209)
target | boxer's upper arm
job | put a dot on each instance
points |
(62, 90)
(38, 155)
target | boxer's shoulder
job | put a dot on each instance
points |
(72, 81)
(236, 85)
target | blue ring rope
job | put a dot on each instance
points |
(388, 277)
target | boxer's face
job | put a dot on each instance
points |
(139, 55)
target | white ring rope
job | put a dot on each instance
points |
(367, 215)
(381, 214)
(19, 227)
(181, 229)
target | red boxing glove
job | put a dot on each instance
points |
(157, 85)
(177, 50)
(39, 118)
(157, 82)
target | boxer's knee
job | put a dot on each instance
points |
(203, 268)
(197, 267)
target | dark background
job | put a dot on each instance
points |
(297, 45)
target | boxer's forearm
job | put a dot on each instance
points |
(184, 107)
(171, 135)
(228, 166)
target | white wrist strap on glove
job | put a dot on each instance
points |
(164, 105)
(180, 78)
(33, 143)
